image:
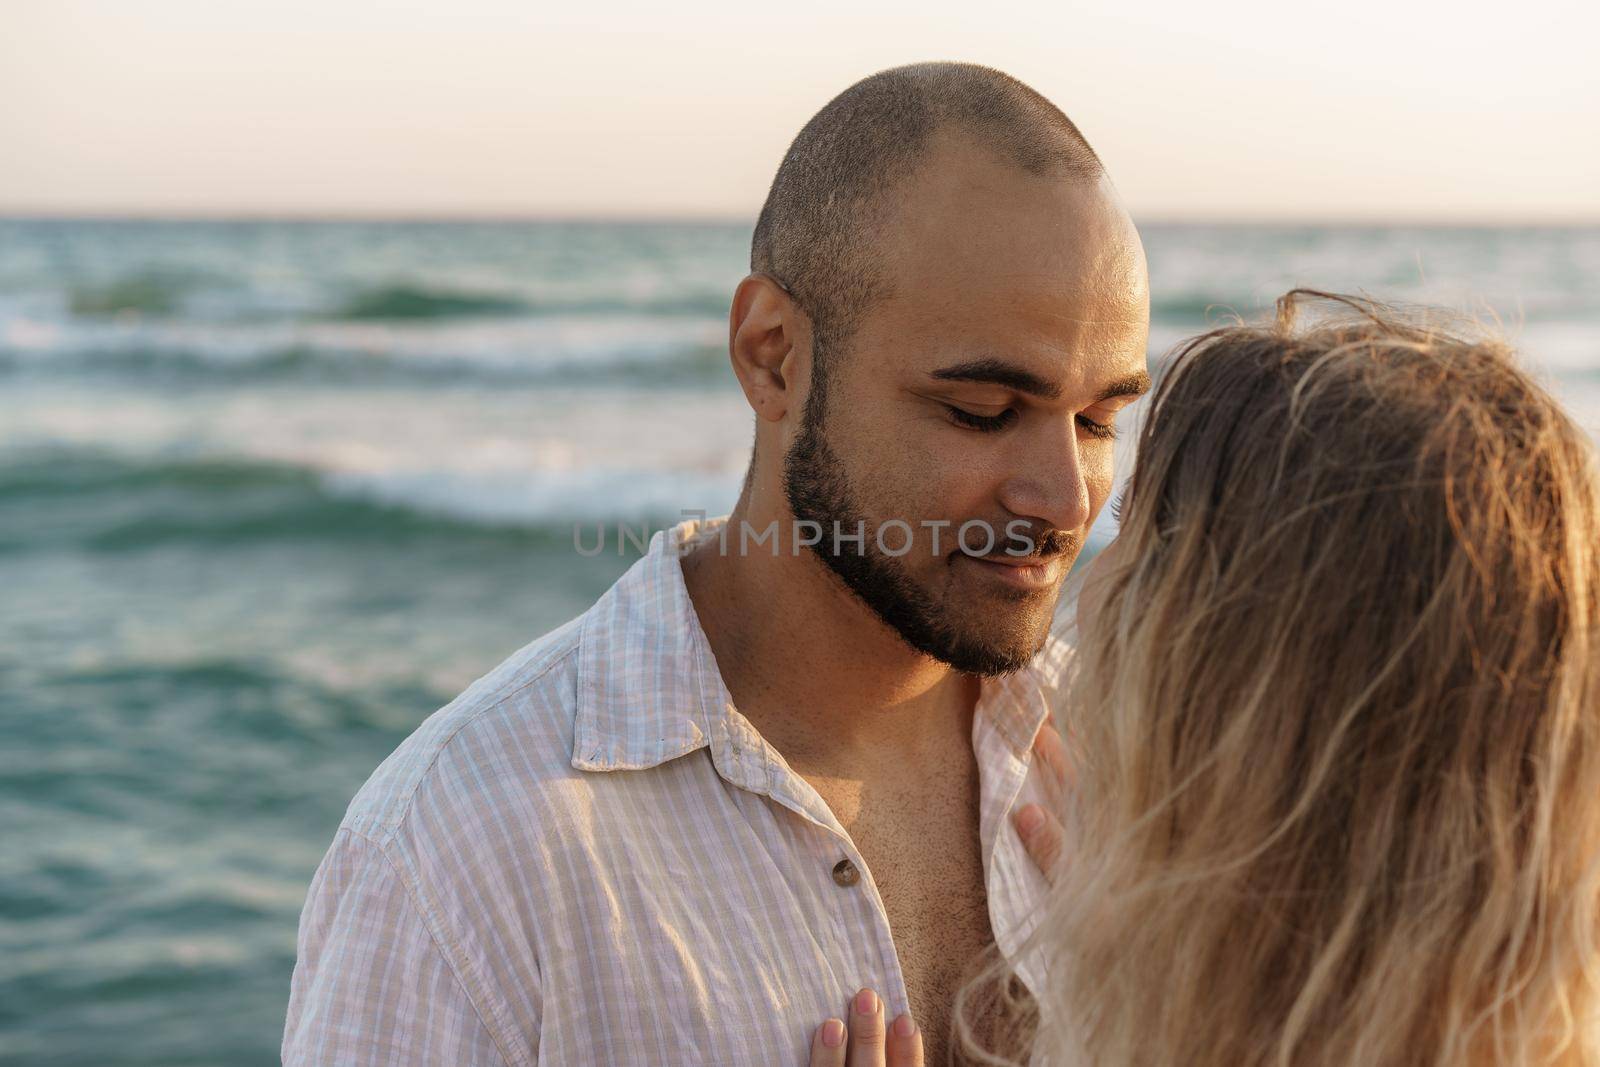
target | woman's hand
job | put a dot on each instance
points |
(867, 1042)
(1038, 825)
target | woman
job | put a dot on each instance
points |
(1337, 771)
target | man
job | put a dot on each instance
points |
(774, 763)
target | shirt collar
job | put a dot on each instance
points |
(649, 689)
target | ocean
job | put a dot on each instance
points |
(272, 492)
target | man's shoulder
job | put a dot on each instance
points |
(489, 747)
(436, 824)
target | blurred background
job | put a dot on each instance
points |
(323, 325)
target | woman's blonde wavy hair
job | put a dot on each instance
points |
(1338, 792)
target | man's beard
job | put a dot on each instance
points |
(817, 491)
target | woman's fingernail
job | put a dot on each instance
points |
(833, 1033)
(904, 1027)
(1029, 819)
(866, 1002)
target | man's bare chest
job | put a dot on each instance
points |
(922, 849)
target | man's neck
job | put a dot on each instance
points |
(824, 680)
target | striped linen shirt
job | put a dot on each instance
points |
(590, 857)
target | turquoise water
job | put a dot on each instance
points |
(270, 493)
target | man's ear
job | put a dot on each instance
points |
(768, 341)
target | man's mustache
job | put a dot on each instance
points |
(1048, 544)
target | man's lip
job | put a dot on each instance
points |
(1016, 561)
(1026, 572)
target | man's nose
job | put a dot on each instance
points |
(1050, 485)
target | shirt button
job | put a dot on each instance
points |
(845, 873)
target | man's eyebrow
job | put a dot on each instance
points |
(1011, 376)
(998, 372)
(1133, 385)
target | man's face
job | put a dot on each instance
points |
(981, 392)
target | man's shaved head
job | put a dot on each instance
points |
(817, 229)
(970, 296)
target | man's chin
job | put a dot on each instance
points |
(990, 661)
(997, 652)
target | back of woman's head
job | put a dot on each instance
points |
(1340, 794)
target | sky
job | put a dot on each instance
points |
(1377, 110)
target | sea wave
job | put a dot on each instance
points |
(154, 292)
(559, 348)
(327, 365)
(404, 301)
(420, 302)
(101, 501)
(163, 293)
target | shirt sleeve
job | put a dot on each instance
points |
(371, 983)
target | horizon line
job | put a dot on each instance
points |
(624, 217)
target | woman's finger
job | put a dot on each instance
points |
(1052, 753)
(1041, 834)
(904, 1043)
(827, 1044)
(867, 1042)
(866, 1030)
